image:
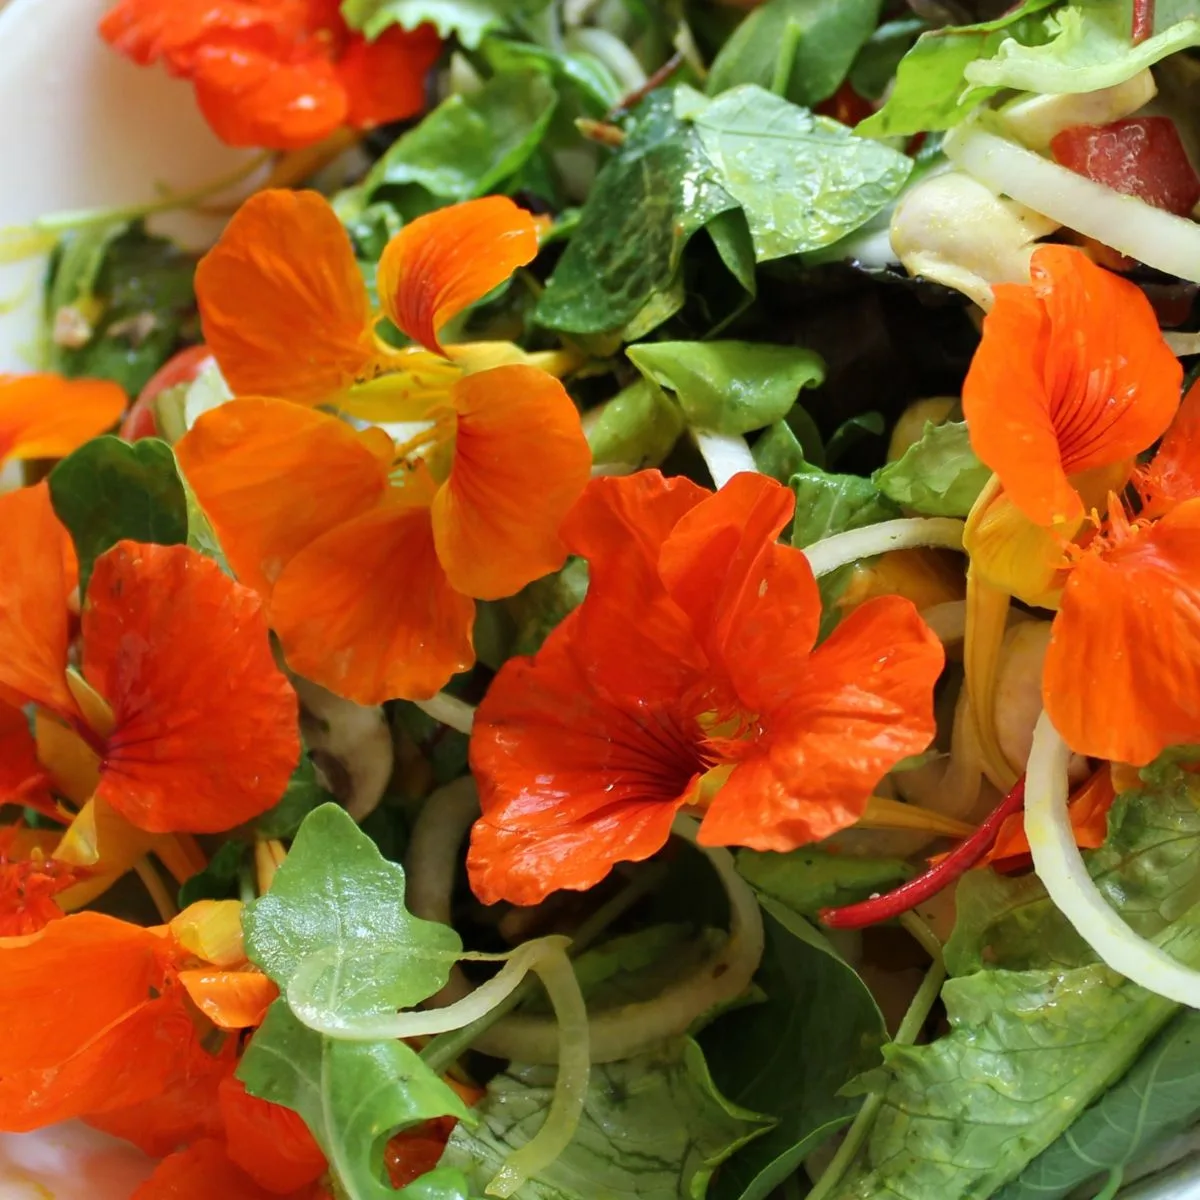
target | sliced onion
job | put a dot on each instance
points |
(1151, 235)
(725, 455)
(1061, 868)
(904, 534)
(449, 710)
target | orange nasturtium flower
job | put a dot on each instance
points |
(688, 678)
(178, 718)
(370, 553)
(47, 416)
(101, 1015)
(1071, 382)
(281, 74)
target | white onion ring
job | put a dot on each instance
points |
(1061, 868)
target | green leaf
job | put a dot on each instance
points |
(134, 292)
(218, 880)
(108, 490)
(938, 475)
(790, 1056)
(469, 20)
(352, 1096)
(540, 606)
(333, 931)
(1157, 1099)
(1146, 870)
(593, 80)
(637, 427)
(820, 37)
(729, 387)
(827, 504)
(803, 181)
(302, 795)
(875, 66)
(1027, 1052)
(1089, 48)
(656, 191)
(808, 879)
(654, 1127)
(731, 236)
(853, 432)
(469, 145)
(931, 90)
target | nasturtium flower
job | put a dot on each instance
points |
(1072, 381)
(281, 74)
(204, 1170)
(371, 552)
(31, 880)
(178, 717)
(47, 416)
(689, 679)
(99, 1014)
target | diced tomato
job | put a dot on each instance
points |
(140, 421)
(1140, 156)
(846, 106)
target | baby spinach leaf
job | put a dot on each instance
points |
(637, 427)
(931, 91)
(1026, 1053)
(802, 181)
(657, 190)
(789, 1056)
(1088, 48)
(543, 604)
(827, 504)
(938, 475)
(808, 879)
(729, 387)
(804, 46)
(1157, 1099)
(134, 295)
(654, 1127)
(108, 490)
(1147, 870)
(585, 72)
(218, 880)
(333, 931)
(302, 795)
(468, 146)
(875, 66)
(469, 20)
(352, 1096)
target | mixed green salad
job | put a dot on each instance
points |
(632, 629)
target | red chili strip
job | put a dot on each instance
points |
(960, 860)
(1143, 20)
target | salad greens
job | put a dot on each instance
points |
(648, 303)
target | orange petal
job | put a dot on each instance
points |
(385, 79)
(271, 98)
(753, 604)
(520, 463)
(1072, 374)
(230, 999)
(571, 782)
(22, 778)
(201, 1172)
(367, 611)
(46, 416)
(1123, 668)
(206, 734)
(445, 261)
(282, 301)
(252, 465)
(1173, 475)
(184, 1110)
(270, 1143)
(865, 703)
(33, 611)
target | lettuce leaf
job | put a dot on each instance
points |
(469, 20)
(654, 1127)
(808, 879)
(938, 475)
(828, 503)
(1157, 1099)
(1089, 48)
(931, 90)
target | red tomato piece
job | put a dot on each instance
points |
(1140, 156)
(141, 421)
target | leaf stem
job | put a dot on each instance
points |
(157, 890)
(914, 1020)
(449, 710)
(725, 455)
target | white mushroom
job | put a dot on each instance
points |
(954, 230)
